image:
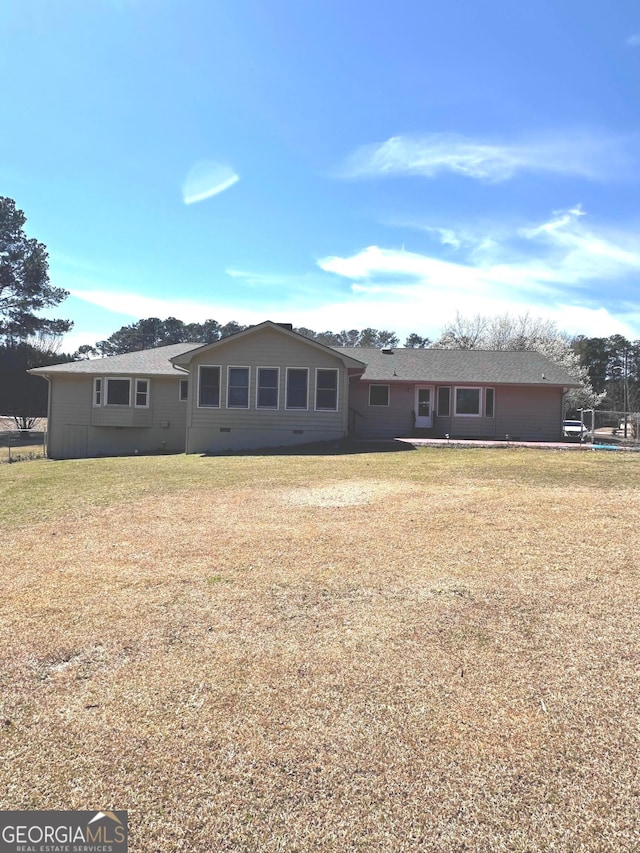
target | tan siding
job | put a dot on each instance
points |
(73, 416)
(533, 414)
(252, 427)
(466, 427)
(396, 419)
(530, 414)
(120, 416)
(70, 406)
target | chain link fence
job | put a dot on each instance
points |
(18, 445)
(612, 428)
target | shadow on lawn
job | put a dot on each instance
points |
(324, 448)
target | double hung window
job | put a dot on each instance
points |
(297, 387)
(238, 388)
(142, 393)
(267, 391)
(326, 389)
(208, 386)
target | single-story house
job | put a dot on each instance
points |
(268, 386)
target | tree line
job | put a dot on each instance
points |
(154, 332)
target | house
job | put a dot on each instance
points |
(268, 386)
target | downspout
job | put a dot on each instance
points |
(191, 390)
(49, 418)
(563, 411)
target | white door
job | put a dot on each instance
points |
(424, 406)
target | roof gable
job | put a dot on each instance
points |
(348, 358)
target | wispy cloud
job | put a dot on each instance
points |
(549, 268)
(566, 268)
(278, 282)
(207, 179)
(448, 237)
(634, 40)
(587, 155)
(137, 306)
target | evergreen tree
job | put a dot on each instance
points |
(25, 288)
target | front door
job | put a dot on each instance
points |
(423, 406)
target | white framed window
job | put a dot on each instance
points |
(297, 387)
(237, 387)
(326, 389)
(444, 401)
(378, 395)
(489, 402)
(267, 388)
(183, 390)
(97, 392)
(468, 402)
(142, 394)
(208, 386)
(118, 392)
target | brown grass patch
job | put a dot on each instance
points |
(432, 650)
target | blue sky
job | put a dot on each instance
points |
(330, 164)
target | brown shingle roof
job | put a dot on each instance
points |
(147, 362)
(408, 365)
(460, 366)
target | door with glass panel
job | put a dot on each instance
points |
(424, 406)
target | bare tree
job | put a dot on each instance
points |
(464, 333)
(522, 332)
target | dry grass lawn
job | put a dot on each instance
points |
(434, 650)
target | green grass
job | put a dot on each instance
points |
(50, 489)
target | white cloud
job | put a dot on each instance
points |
(137, 306)
(448, 237)
(73, 340)
(559, 269)
(566, 269)
(426, 312)
(634, 40)
(207, 179)
(266, 280)
(594, 322)
(562, 219)
(588, 155)
(582, 254)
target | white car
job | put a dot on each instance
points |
(575, 431)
